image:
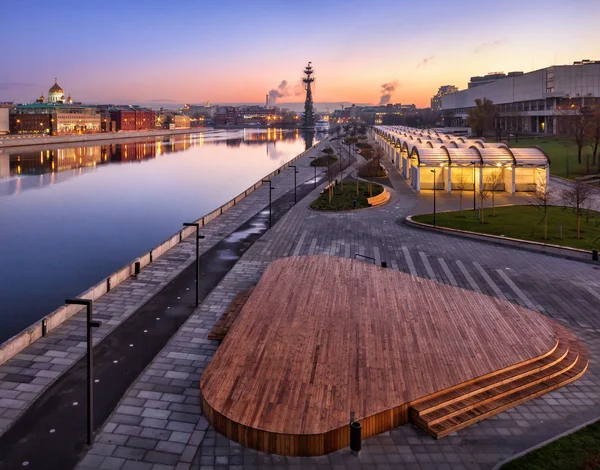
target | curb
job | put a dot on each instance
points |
(573, 254)
(499, 465)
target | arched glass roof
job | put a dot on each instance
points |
(430, 156)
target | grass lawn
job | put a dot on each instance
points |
(343, 199)
(560, 151)
(525, 223)
(577, 451)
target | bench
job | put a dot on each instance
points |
(380, 199)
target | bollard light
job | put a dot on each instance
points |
(355, 437)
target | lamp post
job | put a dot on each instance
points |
(271, 188)
(198, 237)
(315, 167)
(433, 171)
(474, 207)
(295, 173)
(90, 363)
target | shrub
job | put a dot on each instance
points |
(325, 160)
(350, 140)
(363, 145)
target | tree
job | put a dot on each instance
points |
(594, 132)
(462, 181)
(575, 123)
(542, 198)
(493, 180)
(482, 193)
(576, 196)
(481, 118)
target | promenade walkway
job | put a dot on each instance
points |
(158, 428)
(42, 389)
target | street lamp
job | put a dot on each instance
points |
(295, 173)
(90, 363)
(315, 167)
(433, 171)
(198, 237)
(271, 188)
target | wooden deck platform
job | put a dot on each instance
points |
(322, 337)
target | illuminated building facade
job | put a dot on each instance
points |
(132, 118)
(54, 119)
(532, 102)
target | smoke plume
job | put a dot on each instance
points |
(281, 91)
(387, 90)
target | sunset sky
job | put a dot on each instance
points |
(236, 51)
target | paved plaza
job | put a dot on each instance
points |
(158, 424)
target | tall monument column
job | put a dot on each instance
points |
(309, 117)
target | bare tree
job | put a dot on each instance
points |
(462, 181)
(594, 132)
(543, 198)
(493, 180)
(574, 122)
(576, 196)
(482, 193)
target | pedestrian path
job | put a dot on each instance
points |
(181, 438)
(40, 368)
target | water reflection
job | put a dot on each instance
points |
(14, 163)
(72, 214)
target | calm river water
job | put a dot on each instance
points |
(70, 215)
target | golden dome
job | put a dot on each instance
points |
(55, 88)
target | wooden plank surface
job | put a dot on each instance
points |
(322, 336)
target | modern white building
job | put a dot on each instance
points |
(432, 160)
(531, 102)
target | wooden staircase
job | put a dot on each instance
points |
(452, 409)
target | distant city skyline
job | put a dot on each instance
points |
(237, 52)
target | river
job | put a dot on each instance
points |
(72, 214)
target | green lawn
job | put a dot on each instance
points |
(525, 222)
(577, 451)
(560, 152)
(343, 196)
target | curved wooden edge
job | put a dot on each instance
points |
(486, 376)
(304, 445)
(380, 199)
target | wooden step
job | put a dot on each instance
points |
(490, 408)
(506, 388)
(461, 391)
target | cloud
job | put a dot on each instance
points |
(425, 61)
(11, 85)
(387, 90)
(488, 45)
(299, 88)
